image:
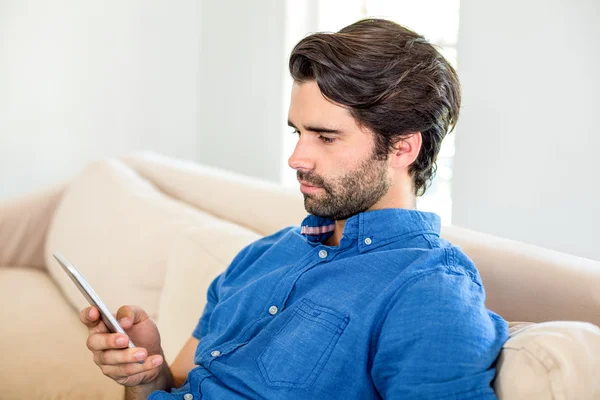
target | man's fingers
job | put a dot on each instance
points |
(130, 315)
(121, 356)
(107, 341)
(90, 317)
(121, 371)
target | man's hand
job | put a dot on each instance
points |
(111, 351)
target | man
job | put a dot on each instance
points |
(364, 300)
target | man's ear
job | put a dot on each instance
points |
(406, 150)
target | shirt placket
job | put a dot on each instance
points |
(317, 256)
(275, 305)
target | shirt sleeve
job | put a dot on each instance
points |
(244, 257)
(211, 301)
(241, 261)
(437, 340)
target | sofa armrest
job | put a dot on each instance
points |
(550, 360)
(24, 223)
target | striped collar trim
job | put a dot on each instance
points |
(317, 230)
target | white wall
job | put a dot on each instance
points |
(528, 141)
(241, 78)
(82, 80)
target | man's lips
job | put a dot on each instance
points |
(306, 187)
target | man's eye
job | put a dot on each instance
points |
(326, 139)
(296, 132)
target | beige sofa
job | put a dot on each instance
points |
(153, 231)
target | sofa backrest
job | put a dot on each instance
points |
(261, 206)
(530, 283)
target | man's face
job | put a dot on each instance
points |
(334, 158)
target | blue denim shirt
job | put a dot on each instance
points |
(393, 312)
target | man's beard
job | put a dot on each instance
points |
(355, 192)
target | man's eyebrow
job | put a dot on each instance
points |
(315, 128)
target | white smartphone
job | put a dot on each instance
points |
(91, 296)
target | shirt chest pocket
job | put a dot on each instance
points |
(297, 353)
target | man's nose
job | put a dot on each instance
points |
(302, 159)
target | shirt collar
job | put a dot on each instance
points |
(379, 226)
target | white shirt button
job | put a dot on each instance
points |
(188, 396)
(368, 241)
(323, 253)
(273, 310)
(215, 353)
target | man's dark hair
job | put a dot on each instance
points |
(393, 82)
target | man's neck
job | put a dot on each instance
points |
(407, 202)
(334, 240)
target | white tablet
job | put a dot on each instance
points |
(91, 296)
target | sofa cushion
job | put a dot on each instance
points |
(42, 343)
(117, 228)
(196, 257)
(550, 360)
